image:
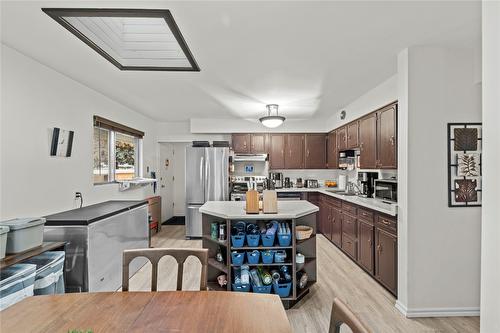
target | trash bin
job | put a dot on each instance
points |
(49, 278)
(24, 234)
(3, 240)
(16, 283)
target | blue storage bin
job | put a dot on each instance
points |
(16, 283)
(253, 257)
(279, 256)
(267, 256)
(244, 288)
(282, 289)
(284, 239)
(237, 258)
(238, 241)
(262, 290)
(267, 240)
(253, 240)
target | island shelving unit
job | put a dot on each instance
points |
(229, 212)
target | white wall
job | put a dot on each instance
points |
(490, 245)
(383, 94)
(34, 99)
(181, 132)
(439, 271)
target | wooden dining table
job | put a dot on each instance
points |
(164, 311)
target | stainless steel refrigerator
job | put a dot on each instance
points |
(207, 179)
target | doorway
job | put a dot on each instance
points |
(172, 181)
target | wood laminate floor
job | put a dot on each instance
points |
(338, 276)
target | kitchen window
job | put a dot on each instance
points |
(117, 152)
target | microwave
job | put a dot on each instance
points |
(386, 189)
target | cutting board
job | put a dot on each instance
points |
(269, 202)
(252, 202)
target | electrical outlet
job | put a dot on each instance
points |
(78, 195)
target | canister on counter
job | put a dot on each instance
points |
(214, 231)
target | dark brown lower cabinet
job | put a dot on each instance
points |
(336, 225)
(366, 245)
(349, 246)
(386, 258)
(367, 237)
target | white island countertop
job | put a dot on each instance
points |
(232, 210)
(371, 203)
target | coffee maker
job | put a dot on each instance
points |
(366, 181)
(277, 179)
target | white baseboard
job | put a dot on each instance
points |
(436, 312)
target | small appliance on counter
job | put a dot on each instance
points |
(311, 183)
(386, 189)
(367, 182)
(342, 184)
(287, 183)
(277, 178)
(298, 183)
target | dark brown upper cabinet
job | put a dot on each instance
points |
(315, 151)
(276, 149)
(387, 137)
(366, 245)
(241, 143)
(368, 142)
(342, 138)
(353, 135)
(331, 151)
(294, 151)
(258, 143)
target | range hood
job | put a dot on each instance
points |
(250, 158)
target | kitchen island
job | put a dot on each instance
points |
(96, 236)
(264, 253)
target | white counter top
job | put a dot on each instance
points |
(371, 203)
(236, 210)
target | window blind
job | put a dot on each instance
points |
(114, 126)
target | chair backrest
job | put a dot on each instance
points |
(341, 314)
(154, 256)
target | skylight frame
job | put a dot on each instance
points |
(58, 15)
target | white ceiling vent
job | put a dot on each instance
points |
(131, 39)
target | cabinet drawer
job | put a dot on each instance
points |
(349, 246)
(365, 215)
(349, 208)
(349, 226)
(387, 223)
(334, 201)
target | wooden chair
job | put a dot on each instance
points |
(341, 314)
(154, 256)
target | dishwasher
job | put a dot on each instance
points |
(288, 196)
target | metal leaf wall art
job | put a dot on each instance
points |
(464, 164)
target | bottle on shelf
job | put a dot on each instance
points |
(285, 273)
(254, 274)
(266, 278)
(245, 274)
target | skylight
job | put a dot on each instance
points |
(131, 39)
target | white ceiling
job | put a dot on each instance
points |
(312, 58)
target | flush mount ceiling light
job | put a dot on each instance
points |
(131, 39)
(272, 119)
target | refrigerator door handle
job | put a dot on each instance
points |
(207, 179)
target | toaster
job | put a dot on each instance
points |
(311, 183)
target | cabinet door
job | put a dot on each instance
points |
(368, 142)
(352, 135)
(332, 154)
(342, 138)
(336, 226)
(387, 137)
(294, 154)
(366, 245)
(258, 143)
(386, 259)
(277, 151)
(241, 143)
(315, 154)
